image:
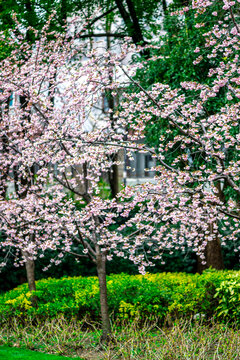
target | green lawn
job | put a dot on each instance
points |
(7, 353)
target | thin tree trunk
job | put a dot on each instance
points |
(113, 177)
(101, 271)
(5, 149)
(30, 271)
(29, 263)
(164, 5)
(113, 171)
(30, 267)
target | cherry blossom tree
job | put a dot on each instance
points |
(60, 147)
(47, 140)
(198, 140)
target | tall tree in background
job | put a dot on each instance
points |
(136, 15)
(176, 62)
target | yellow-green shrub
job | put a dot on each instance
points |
(163, 295)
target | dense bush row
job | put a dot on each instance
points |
(164, 295)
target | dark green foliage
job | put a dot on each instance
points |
(175, 65)
(36, 12)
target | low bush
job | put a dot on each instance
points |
(166, 296)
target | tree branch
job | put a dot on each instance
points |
(234, 21)
(86, 36)
(102, 15)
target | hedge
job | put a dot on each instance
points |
(165, 296)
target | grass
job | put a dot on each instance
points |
(7, 353)
(184, 340)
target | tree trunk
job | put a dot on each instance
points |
(26, 182)
(5, 149)
(113, 171)
(213, 255)
(164, 5)
(113, 177)
(213, 250)
(101, 271)
(30, 271)
(131, 21)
